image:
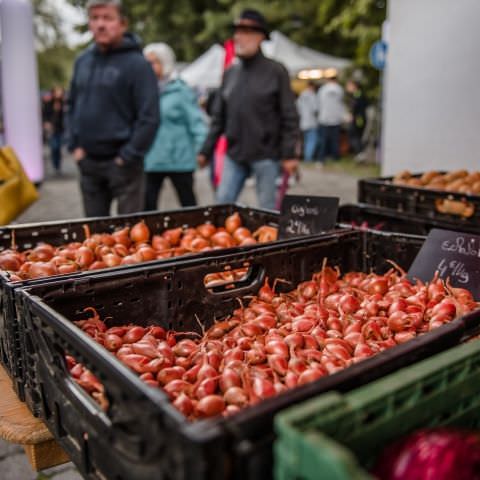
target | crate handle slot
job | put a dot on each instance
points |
(86, 402)
(101, 419)
(229, 280)
(460, 208)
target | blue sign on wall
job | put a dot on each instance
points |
(378, 54)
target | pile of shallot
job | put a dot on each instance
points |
(276, 341)
(128, 246)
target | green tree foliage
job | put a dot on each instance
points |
(55, 66)
(54, 57)
(46, 24)
(344, 28)
(361, 23)
(339, 27)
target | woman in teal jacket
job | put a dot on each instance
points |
(180, 135)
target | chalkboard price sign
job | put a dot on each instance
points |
(454, 255)
(302, 215)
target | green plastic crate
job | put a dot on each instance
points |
(338, 437)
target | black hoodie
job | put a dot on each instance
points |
(113, 102)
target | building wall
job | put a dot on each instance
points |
(432, 86)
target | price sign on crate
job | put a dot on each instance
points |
(302, 215)
(454, 255)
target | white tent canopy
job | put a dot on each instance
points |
(206, 71)
(297, 58)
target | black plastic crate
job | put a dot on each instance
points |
(381, 192)
(142, 436)
(379, 218)
(57, 233)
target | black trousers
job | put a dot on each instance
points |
(182, 181)
(101, 181)
(331, 142)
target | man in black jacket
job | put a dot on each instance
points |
(113, 113)
(255, 109)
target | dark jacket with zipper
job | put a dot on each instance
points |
(113, 102)
(255, 109)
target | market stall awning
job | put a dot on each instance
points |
(296, 57)
(206, 71)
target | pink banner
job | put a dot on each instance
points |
(221, 147)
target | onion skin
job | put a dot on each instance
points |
(67, 268)
(97, 265)
(130, 260)
(10, 262)
(160, 243)
(169, 374)
(223, 239)
(173, 236)
(113, 342)
(111, 259)
(120, 249)
(266, 234)
(198, 244)
(134, 335)
(206, 230)
(241, 233)
(247, 241)
(184, 404)
(236, 396)
(146, 254)
(140, 233)
(42, 253)
(42, 269)
(210, 406)
(233, 222)
(84, 257)
(122, 236)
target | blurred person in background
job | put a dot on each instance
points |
(46, 98)
(370, 136)
(331, 115)
(307, 110)
(113, 113)
(53, 124)
(255, 109)
(181, 133)
(358, 115)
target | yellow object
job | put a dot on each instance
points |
(17, 192)
(298, 85)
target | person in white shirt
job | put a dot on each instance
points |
(331, 115)
(307, 110)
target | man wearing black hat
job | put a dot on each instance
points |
(255, 109)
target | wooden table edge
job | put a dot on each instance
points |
(19, 426)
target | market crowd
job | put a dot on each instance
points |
(334, 119)
(131, 122)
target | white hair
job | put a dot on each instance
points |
(165, 55)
